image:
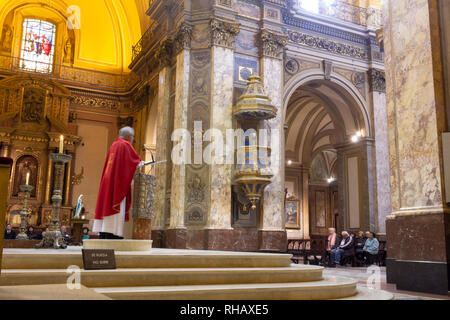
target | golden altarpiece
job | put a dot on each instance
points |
(34, 113)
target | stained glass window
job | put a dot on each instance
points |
(38, 46)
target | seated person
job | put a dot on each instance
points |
(370, 248)
(345, 248)
(360, 240)
(32, 235)
(10, 234)
(332, 242)
(85, 233)
(65, 235)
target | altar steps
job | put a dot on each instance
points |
(164, 277)
(183, 274)
(157, 258)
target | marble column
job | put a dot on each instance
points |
(418, 228)
(162, 144)
(176, 233)
(218, 230)
(272, 228)
(305, 202)
(383, 188)
(67, 184)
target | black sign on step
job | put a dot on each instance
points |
(99, 259)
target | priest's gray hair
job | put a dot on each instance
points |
(126, 132)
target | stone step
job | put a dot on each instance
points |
(157, 258)
(118, 245)
(49, 292)
(329, 288)
(164, 277)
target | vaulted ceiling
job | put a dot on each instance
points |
(107, 28)
(319, 117)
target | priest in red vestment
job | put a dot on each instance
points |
(114, 197)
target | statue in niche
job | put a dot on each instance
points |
(33, 105)
(7, 37)
(25, 165)
(68, 51)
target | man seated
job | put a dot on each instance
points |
(32, 235)
(10, 234)
(345, 248)
(370, 248)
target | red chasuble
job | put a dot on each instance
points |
(118, 172)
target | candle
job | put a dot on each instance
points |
(61, 144)
(27, 180)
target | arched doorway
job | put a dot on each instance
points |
(329, 168)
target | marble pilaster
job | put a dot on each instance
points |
(163, 137)
(305, 202)
(418, 228)
(177, 201)
(273, 218)
(221, 119)
(382, 160)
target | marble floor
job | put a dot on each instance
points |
(362, 275)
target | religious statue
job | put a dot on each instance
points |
(68, 51)
(33, 105)
(79, 207)
(7, 37)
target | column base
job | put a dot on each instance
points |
(418, 254)
(176, 238)
(221, 240)
(217, 239)
(419, 276)
(272, 241)
(142, 229)
(159, 238)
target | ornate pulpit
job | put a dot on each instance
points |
(143, 205)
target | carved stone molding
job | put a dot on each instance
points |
(223, 33)
(377, 80)
(85, 99)
(328, 45)
(272, 44)
(183, 37)
(164, 53)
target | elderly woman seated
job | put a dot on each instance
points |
(370, 248)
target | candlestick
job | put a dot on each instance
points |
(27, 180)
(52, 238)
(26, 189)
(61, 144)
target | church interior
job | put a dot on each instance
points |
(348, 102)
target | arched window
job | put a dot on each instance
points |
(38, 46)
